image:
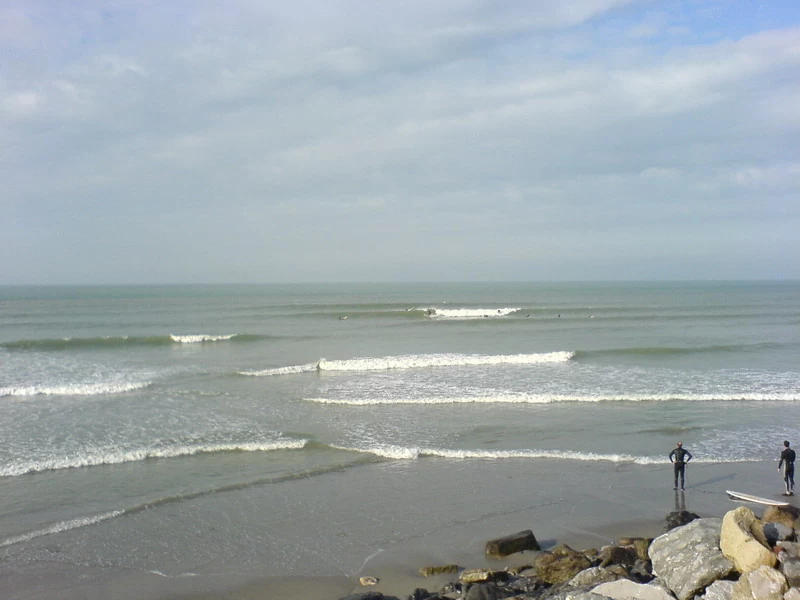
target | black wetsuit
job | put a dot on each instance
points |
(679, 457)
(787, 457)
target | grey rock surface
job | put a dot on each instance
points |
(688, 559)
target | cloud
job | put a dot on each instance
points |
(412, 129)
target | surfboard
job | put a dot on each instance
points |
(757, 499)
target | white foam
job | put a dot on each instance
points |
(60, 527)
(469, 313)
(77, 389)
(417, 361)
(309, 368)
(115, 458)
(555, 398)
(412, 453)
(200, 338)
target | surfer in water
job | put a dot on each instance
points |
(679, 457)
(787, 462)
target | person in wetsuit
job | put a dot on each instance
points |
(679, 457)
(787, 462)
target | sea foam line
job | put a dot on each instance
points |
(61, 527)
(418, 361)
(555, 398)
(411, 453)
(200, 338)
(77, 389)
(115, 458)
(469, 313)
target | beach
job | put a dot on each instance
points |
(182, 441)
(586, 508)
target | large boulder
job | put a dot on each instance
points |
(510, 544)
(764, 583)
(624, 589)
(742, 541)
(688, 558)
(560, 565)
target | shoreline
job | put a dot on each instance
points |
(583, 505)
(397, 569)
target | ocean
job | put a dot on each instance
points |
(262, 430)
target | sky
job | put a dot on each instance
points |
(191, 141)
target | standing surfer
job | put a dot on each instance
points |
(679, 457)
(787, 461)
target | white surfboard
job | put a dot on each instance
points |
(756, 499)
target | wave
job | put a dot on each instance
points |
(656, 351)
(417, 361)
(75, 389)
(128, 456)
(469, 313)
(61, 527)
(309, 368)
(412, 453)
(69, 343)
(556, 398)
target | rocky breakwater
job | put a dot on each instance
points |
(737, 557)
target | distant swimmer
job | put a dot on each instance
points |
(679, 457)
(787, 462)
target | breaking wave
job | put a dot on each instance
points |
(418, 361)
(411, 453)
(555, 398)
(469, 313)
(60, 527)
(69, 343)
(76, 389)
(128, 456)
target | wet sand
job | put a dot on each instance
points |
(583, 505)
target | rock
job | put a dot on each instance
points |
(596, 575)
(785, 515)
(560, 565)
(742, 541)
(510, 544)
(481, 575)
(431, 571)
(679, 518)
(764, 583)
(719, 590)
(792, 594)
(792, 549)
(486, 591)
(475, 575)
(368, 580)
(369, 596)
(629, 590)
(617, 555)
(777, 532)
(641, 544)
(576, 595)
(642, 571)
(791, 570)
(688, 558)
(420, 594)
